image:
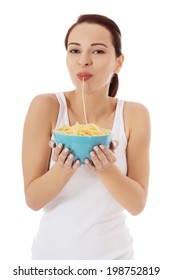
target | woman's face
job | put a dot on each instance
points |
(91, 56)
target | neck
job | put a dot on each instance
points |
(96, 104)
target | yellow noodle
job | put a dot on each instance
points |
(90, 129)
(83, 102)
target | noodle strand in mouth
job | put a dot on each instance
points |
(83, 101)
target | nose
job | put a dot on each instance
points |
(85, 59)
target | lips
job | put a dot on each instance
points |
(84, 75)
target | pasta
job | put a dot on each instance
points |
(87, 129)
(90, 129)
(83, 102)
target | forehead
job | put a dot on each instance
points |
(90, 32)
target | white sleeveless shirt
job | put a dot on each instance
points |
(84, 221)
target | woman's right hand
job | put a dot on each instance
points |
(63, 157)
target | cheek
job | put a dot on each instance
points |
(110, 70)
(68, 62)
(107, 72)
(71, 69)
(71, 61)
(106, 65)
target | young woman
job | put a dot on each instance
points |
(84, 203)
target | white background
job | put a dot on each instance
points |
(32, 61)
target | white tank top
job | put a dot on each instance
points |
(84, 221)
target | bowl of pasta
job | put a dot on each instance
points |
(81, 138)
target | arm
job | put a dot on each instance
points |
(40, 184)
(131, 190)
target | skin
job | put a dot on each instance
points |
(94, 53)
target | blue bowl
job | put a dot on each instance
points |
(81, 146)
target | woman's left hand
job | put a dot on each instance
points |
(102, 157)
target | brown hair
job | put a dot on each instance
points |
(112, 27)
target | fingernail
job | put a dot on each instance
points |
(96, 148)
(70, 156)
(52, 144)
(60, 145)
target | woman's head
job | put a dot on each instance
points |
(115, 38)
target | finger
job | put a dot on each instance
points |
(88, 164)
(114, 144)
(62, 157)
(76, 164)
(52, 144)
(108, 153)
(96, 161)
(56, 152)
(101, 156)
(69, 161)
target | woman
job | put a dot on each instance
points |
(84, 204)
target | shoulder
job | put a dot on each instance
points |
(44, 101)
(44, 107)
(136, 117)
(134, 108)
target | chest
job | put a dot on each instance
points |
(103, 118)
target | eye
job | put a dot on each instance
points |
(73, 51)
(98, 52)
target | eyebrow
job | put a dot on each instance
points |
(93, 44)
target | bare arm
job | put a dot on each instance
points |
(130, 190)
(41, 184)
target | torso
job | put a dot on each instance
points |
(102, 235)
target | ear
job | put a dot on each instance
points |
(119, 63)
